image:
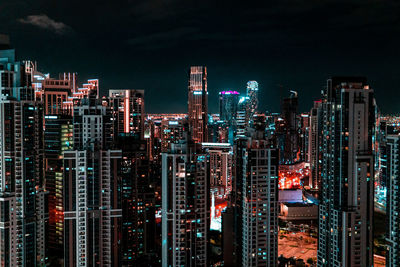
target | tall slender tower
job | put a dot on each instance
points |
(185, 207)
(252, 93)
(228, 104)
(92, 207)
(259, 199)
(347, 201)
(198, 103)
(291, 137)
(314, 143)
(138, 203)
(22, 199)
(393, 200)
(58, 137)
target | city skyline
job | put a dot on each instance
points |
(199, 133)
(98, 171)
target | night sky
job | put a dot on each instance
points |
(148, 44)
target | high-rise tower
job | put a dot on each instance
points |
(258, 202)
(252, 93)
(314, 144)
(198, 103)
(228, 105)
(185, 207)
(92, 207)
(22, 199)
(58, 137)
(128, 111)
(393, 200)
(290, 131)
(347, 178)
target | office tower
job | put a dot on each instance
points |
(220, 132)
(242, 116)
(185, 207)
(172, 131)
(252, 94)
(198, 103)
(55, 93)
(92, 208)
(228, 107)
(220, 155)
(254, 200)
(220, 167)
(138, 203)
(259, 199)
(291, 138)
(382, 133)
(128, 111)
(393, 201)
(22, 199)
(347, 177)
(314, 143)
(228, 103)
(303, 136)
(58, 137)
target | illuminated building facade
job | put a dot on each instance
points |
(158, 140)
(138, 203)
(393, 201)
(228, 103)
(221, 160)
(185, 207)
(253, 212)
(259, 203)
(347, 202)
(22, 199)
(220, 167)
(55, 93)
(172, 131)
(198, 103)
(242, 116)
(252, 94)
(314, 143)
(289, 132)
(304, 131)
(58, 137)
(92, 204)
(128, 111)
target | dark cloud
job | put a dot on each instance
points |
(44, 22)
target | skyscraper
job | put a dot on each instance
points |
(393, 200)
(138, 203)
(92, 207)
(347, 186)
(198, 103)
(55, 93)
(252, 93)
(185, 207)
(259, 203)
(220, 166)
(58, 137)
(242, 116)
(128, 111)
(22, 199)
(228, 103)
(314, 143)
(290, 133)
